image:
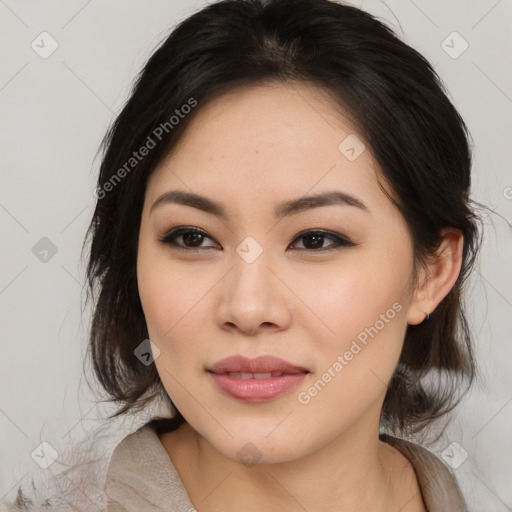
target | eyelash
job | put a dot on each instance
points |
(170, 237)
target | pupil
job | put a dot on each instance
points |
(316, 239)
(194, 238)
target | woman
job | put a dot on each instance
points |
(281, 239)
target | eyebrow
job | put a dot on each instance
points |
(284, 209)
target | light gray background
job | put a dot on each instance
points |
(54, 112)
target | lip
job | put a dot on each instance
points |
(256, 389)
(261, 364)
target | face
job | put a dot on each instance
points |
(323, 286)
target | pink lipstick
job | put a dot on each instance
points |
(256, 380)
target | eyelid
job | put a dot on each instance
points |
(339, 239)
(180, 230)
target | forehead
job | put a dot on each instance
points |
(273, 141)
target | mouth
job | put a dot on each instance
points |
(258, 366)
(256, 380)
(256, 375)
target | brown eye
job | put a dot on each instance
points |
(192, 239)
(189, 238)
(314, 241)
(186, 238)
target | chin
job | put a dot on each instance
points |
(256, 447)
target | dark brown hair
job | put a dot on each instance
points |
(401, 109)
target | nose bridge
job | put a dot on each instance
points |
(252, 295)
(251, 276)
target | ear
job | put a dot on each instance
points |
(436, 281)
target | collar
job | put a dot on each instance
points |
(141, 476)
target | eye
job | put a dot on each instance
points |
(190, 238)
(316, 238)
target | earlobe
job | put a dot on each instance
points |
(438, 278)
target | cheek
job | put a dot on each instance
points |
(170, 305)
(363, 312)
(175, 301)
(370, 309)
(162, 291)
(354, 365)
(171, 308)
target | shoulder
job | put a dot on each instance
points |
(437, 484)
(141, 473)
(137, 452)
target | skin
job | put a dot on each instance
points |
(250, 150)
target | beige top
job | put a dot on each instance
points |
(141, 477)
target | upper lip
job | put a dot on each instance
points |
(261, 364)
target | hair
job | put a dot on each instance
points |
(401, 109)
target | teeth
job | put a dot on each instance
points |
(261, 375)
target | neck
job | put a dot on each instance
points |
(354, 472)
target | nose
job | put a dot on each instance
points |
(253, 298)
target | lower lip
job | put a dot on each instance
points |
(257, 390)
